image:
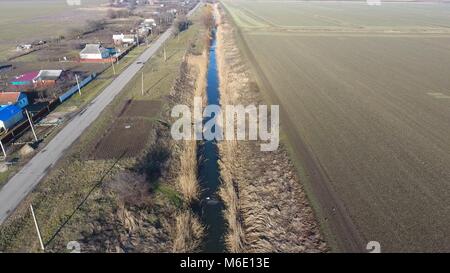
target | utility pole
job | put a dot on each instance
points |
(117, 55)
(114, 69)
(142, 89)
(165, 56)
(78, 84)
(3, 149)
(37, 228)
(31, 125)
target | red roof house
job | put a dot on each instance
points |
(25, 79)
(13, 98)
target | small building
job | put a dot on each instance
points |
(38, 42)
(18, 99)
(24, 47)
(9, 116)
(150, 22)
(25, 79)
(121, 39)
(47, 77)
(94, 52)
(112, 51)
(5, 68)
(144, 31)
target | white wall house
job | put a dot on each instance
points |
(47, 75)
(150, 22)
(94, 52)
(23, 47)
(120, 39)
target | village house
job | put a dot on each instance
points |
(38, 42)
(150, 22)
(24, 47)
(25, 80)
(94, 52)
(9, 116)
(47, 78)
(124, 39)
(146, 27)
(18, 99)
(34, 79)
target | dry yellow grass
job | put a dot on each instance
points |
(266, 208)
(189, 232)
(235, 237)
(187, 181)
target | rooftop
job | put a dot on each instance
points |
(123, 36)
(9, 97)
(8, 111)
(49, 75)
(29, 76)
(91, 49)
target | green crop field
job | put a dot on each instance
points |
(364, 93)
(334, 14)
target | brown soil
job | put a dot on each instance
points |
(124, 136)
(140, 108)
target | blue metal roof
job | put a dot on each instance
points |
(9, 111)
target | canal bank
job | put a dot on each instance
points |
(267, 209)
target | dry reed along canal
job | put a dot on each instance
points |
(211, 206)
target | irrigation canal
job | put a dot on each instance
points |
(211, 205)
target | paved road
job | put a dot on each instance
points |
(21, 184)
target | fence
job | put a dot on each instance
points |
(22, 127)
(74, 88)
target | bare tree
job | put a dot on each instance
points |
(181, 24)
(123, 13)
(208, 18)
(93, 25)
(111, 14)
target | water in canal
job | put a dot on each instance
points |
(211, 205)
